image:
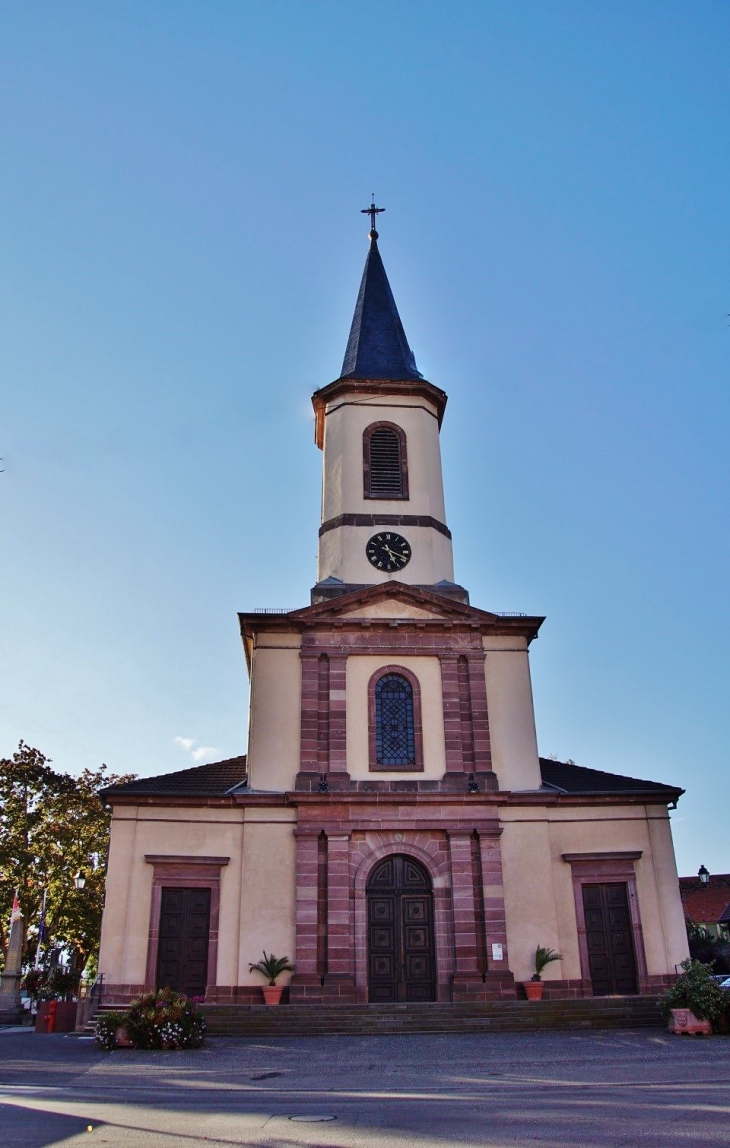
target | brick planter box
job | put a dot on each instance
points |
(65, 1016)
(685, 1023)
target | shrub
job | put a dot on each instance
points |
(60, 984)
(32, 982)
(54, 984)
(107, 1024)
(165, 1019)
(695, 989)
(703, 946)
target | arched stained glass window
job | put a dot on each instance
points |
(395, 743)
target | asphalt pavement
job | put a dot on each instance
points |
(600, 1088)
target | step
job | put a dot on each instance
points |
(434, 1018)
(294, 1020)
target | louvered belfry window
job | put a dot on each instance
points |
(395, 743)
(386, 474)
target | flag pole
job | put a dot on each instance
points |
(41, 933)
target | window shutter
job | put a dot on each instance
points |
(386, 472)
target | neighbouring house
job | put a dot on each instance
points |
(707, 903)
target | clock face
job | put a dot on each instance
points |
(388, 551)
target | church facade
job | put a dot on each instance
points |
(392, 828)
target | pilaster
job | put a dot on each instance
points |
(306, 981)
(339, 982)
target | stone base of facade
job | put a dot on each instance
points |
(655, 985)
(331, 989)
(579, 989)
(562, 990)
(342, 990)
(491, 987)
(121, 994)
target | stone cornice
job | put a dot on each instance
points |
(334, 613)
(437, 798)
(418, 388)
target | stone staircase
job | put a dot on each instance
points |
(388, 1020)
(491, 1016)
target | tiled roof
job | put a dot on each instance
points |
(705, 904)
(211, 780)
(218, 777)
(571, 778)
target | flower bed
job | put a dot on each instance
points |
(165, 1019)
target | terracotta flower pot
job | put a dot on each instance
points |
(121, 1037)
(685, 1023)
(533, 990)
(272, 994)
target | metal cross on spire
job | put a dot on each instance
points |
(372, 211)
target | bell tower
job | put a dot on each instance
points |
(378, 424)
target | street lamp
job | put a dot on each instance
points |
(80, 879)
(704, 875)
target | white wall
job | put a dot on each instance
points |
(342, 554)
(511, 713)
(342, 551)
(275, 720)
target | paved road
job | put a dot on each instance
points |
(640, 1087)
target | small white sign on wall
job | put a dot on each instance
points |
(497, 953)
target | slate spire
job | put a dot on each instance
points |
(377, 347)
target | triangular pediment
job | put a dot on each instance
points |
(392, 601)
(392, 608)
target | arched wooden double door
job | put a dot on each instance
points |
(401, 956)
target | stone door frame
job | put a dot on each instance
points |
(605, 869)
(443, 932)
(186, 873)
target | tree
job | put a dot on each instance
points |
(703, 946)
(51, 826)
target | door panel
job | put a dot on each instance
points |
(401, 964)
(610, 939)
(182, 961)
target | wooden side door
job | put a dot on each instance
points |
(182, 960)
(609, 936)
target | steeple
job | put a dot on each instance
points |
(377, 347)
(378, 426)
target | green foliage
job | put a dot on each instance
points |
(544, 957)
(107, 1024)
(705, 947)
(50, 825)
(271, 967)
(164, 1019)
(32, 982)
(60, 984)
(695, 989)
(54, 984)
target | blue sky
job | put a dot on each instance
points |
(181, 251)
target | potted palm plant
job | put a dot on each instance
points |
(271, 967)
(534, 987)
